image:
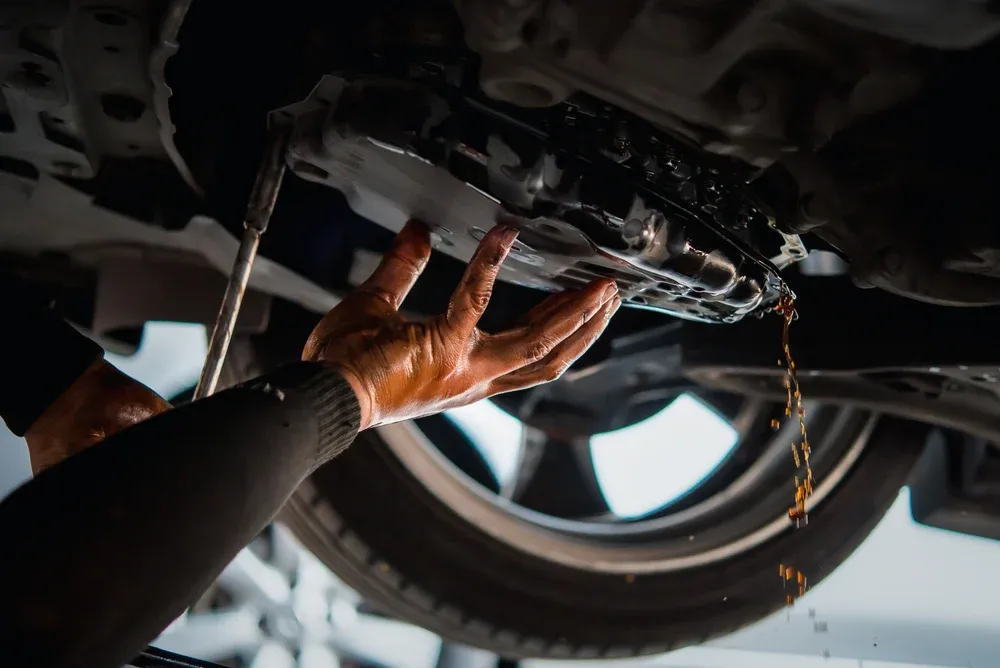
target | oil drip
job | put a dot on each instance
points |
(800, 451)
(793, 581)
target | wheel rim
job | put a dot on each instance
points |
(276, 606)
(745, 510)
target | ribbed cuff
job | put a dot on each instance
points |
(338, 415)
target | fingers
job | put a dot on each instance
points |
(474, 291)
(562, 356)
(552, 321)
(401, 266)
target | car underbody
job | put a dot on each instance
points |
(707, 155)
(694, 151)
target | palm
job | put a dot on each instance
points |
(404, 369)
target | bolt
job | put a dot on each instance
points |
(652, 168)
(711, 190)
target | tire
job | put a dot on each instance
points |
(411, 556)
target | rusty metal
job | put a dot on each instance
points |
(261, 205)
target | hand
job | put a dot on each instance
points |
(100, 403)
(402, 369)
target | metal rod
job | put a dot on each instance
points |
(261, 205)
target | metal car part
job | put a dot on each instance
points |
(956, 485)
(476, 506)
(167, 46)
(51, 217)
(76, 91)
(718, 72)
(915, 360)
(665, 254)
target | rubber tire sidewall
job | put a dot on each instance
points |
(387, 536)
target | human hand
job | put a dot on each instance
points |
(403, 369)
(100, 403)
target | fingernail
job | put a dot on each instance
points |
(615, 305)
(609, 292)
(508, 235)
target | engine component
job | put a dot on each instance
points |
(718, 72)
(624, 204)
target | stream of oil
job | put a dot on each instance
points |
(793, 580)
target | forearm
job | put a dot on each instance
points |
(138, 526)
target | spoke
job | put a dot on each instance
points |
(215, 636)
(460, 656)
(316, 655)
(283, 551)
(273, 655)
(385, 642)
(249, 579)
(456, 446)
(557, 478)
(533, 443)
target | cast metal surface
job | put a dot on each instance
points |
(166, 47)
(261, 205)
(721, 73)
(581, 216)
(919, 361)
(76, 93)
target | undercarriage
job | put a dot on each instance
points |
(708, 156)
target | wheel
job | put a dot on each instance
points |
(415, 521)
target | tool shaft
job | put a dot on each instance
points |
(259, 210)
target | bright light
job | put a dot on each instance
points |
(495, 434)
(642, 467)
(639, 468)
(169, 358)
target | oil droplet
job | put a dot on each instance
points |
(801, 450)
(775, 423)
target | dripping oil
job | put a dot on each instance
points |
(793, 580)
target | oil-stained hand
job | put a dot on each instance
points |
(100, 403)
(402, 369)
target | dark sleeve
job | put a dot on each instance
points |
(42, 354)
(112, 544)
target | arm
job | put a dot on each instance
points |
(115, 542)
(110, 546)
(58, 392)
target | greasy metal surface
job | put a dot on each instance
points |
(897, 356)
(75, 86)
(663, 254)
(692, 66)
(165, 48)
(261, 205)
